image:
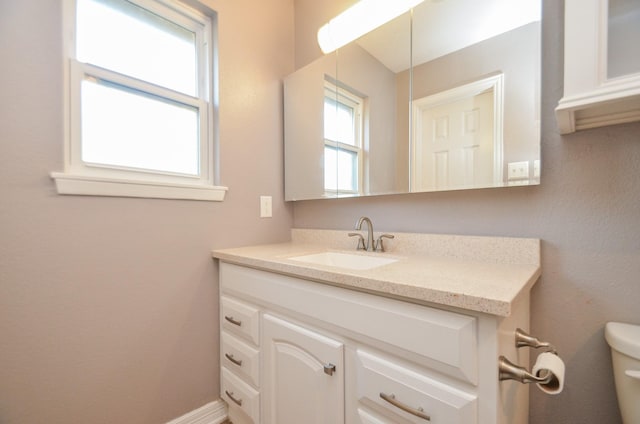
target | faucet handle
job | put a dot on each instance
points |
(361, 245)
(379, 247)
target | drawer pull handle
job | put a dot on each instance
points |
(238, 362)
(419, 412)
(329, 369)
(236, 401)
(233, 321)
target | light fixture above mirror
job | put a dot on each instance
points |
(359, 19)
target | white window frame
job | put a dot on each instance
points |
(81, 178)
(354, 101)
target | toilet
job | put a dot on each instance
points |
(624, 340)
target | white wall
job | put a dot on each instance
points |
(587, 213)
(108, 306)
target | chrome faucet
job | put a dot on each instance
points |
(370, 246)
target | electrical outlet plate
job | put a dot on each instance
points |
(518, 170)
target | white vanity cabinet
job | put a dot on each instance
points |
(601, 64)
(330, 355)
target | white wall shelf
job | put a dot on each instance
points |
(591, 97)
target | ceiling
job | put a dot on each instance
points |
(441, 27)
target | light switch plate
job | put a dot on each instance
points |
(266, 207)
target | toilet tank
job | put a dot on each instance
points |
(624, 340)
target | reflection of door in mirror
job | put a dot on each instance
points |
(458, 139)
(455, 146)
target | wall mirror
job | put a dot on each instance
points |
(443, 97)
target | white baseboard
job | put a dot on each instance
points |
(212, 413)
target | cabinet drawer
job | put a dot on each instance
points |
(240, 358)
(407, 390)
(240, 318)
(242, 399)
(369, 417)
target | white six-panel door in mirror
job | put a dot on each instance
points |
(457, 137)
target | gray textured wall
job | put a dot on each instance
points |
(586, 211)
(108, 306)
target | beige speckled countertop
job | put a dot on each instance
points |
(485, 274)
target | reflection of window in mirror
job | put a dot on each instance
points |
(343, 153)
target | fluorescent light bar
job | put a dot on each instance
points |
(359, 19)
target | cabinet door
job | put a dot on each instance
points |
(304, 375)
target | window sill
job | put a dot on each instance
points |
(83, 185)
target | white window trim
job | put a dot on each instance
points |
(79, 178)
(357, 103)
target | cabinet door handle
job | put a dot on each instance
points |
(238, 362)
(236, 401)
(233, 321)
(329, 369)
(418, 412)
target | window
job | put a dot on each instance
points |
(140, 101)
(342, 141)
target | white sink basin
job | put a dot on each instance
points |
(345, 260)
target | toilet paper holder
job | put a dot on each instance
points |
(525, 340)
(510, 371)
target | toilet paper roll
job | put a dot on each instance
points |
(552, 363)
